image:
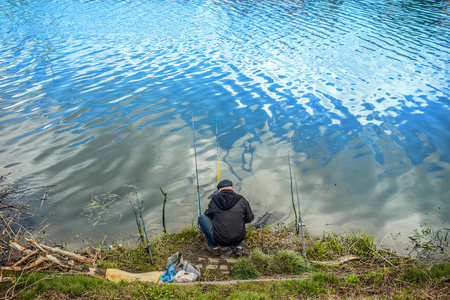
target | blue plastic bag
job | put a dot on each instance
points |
(167, 276)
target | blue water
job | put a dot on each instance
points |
(356, 92)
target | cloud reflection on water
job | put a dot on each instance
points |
(360, 88)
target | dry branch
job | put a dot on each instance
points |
(7, 279)
(28, 260)
(64, 259)
(19, 248)
(74, 256)
(32, 265)
(37, 246)
(377, 253)
(89, 245)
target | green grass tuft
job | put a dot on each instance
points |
(325, 278)
(374, 277)
(134, 259)
(332, 245)
(244, 269)
(261, 260)
(288, 262)
(27, 295)
(259, 263)
(439, 271)
(352, 279)
(188, 233)
(415, 275)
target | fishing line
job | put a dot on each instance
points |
(196, 168)
(142, 218)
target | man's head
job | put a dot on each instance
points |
(225, 184)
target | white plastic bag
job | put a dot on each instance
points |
(188, 272)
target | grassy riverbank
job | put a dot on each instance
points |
(274, 255)
(273, 269)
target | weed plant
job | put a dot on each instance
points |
(332, 245)
(430, 244)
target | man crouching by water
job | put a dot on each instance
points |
(223, 223)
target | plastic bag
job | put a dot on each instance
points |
(175, 264)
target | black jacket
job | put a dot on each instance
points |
(229, 213)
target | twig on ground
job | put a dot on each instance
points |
(77, 257)
(96, 250)
(143, 293)
(25, 258)
(377, 253)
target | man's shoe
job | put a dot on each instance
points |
(214, 251)
(239, 251)
(228, 251)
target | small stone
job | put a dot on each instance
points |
(200, 266)
(231, 260)
(213, 260)
(211, 267)
(223, 267)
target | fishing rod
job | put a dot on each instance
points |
(142, 218)
(217, 143)
(196, 168)
(292, 194)
(300, 217)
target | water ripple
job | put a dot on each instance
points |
(357, 87)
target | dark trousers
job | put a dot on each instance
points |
(205, 223)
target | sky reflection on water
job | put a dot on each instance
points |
(356, 91)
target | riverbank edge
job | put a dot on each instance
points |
(375, 274)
